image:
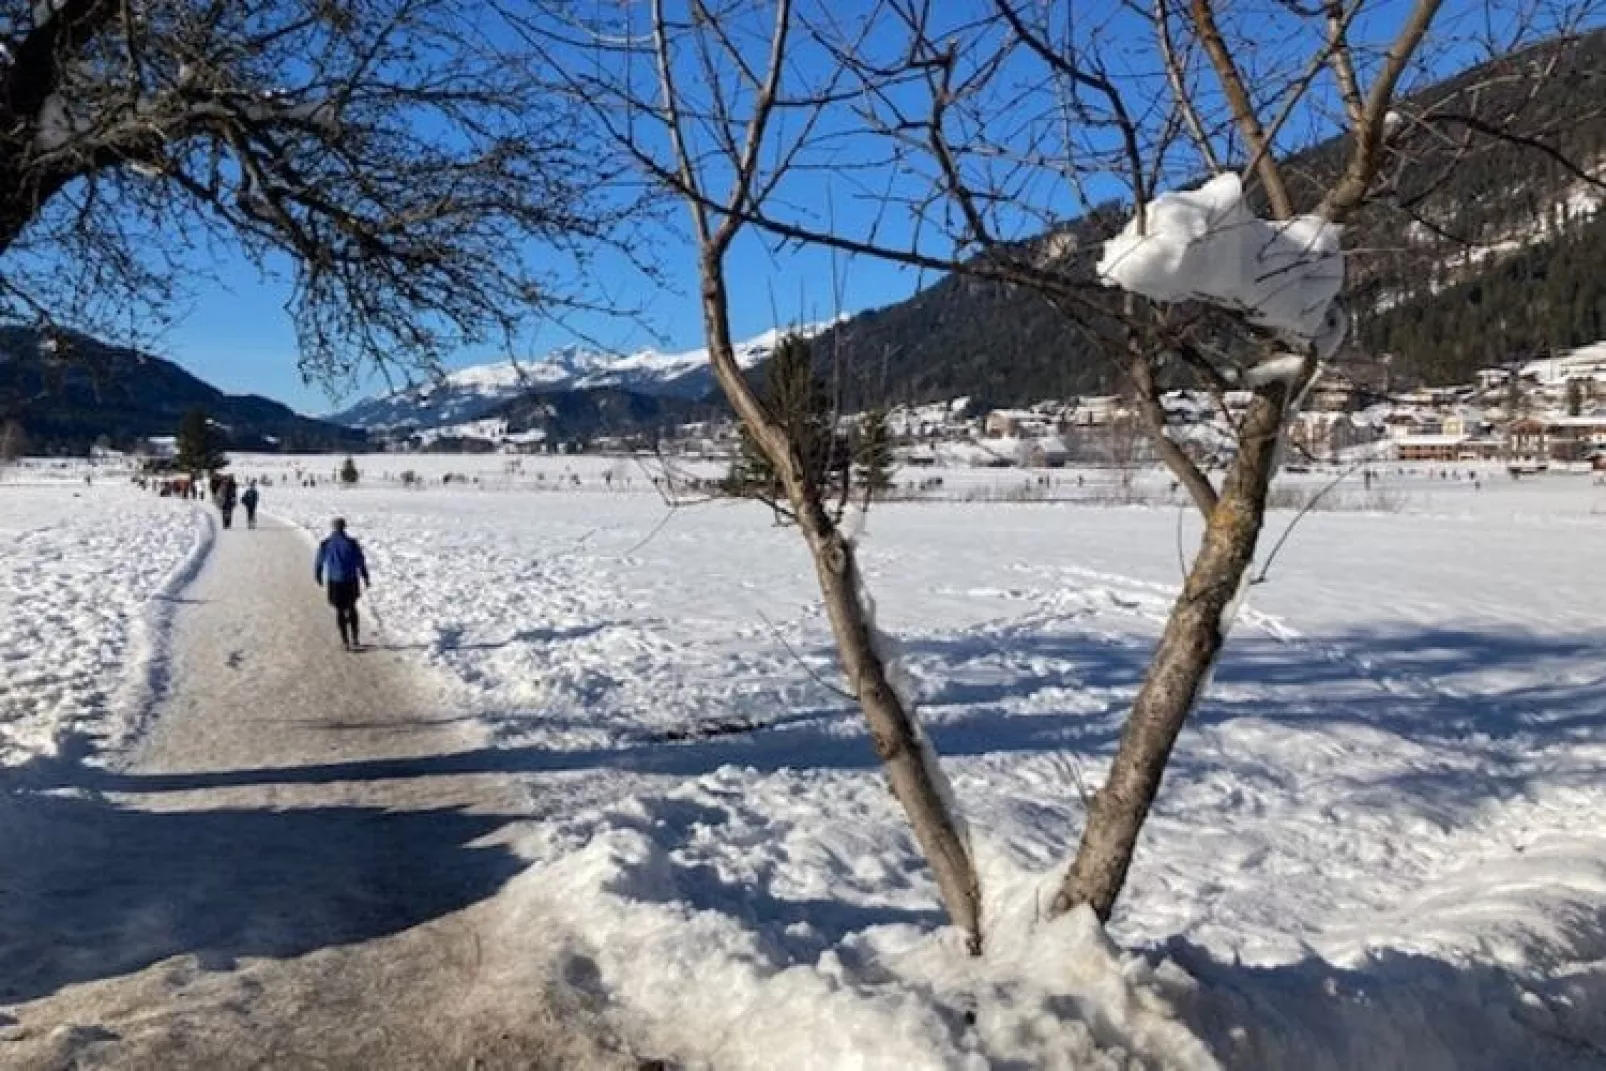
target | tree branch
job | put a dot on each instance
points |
(1367, 155)
(1244, 112)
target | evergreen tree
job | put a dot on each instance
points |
(199, 449)
(13, 442)
(794, 395)
(872, 455)
(348, 473)
(1575, 397)
(751, 474)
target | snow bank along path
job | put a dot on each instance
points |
(263, 884)
(85, 586)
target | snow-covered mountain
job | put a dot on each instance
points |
(473, 393)
(469, 394)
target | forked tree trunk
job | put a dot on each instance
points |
(1180, 667)
(896, 737)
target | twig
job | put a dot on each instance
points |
(822, 682)
(1306, 508)
(663, 522)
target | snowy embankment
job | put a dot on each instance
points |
(82, 609)
(1379, 844)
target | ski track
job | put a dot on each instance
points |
(273, 877)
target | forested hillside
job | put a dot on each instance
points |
(1478, 248)
(74, 390)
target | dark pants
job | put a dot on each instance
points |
(250, 516)
(228, 516)
(343, 596)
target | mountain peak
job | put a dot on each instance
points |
(468, 394)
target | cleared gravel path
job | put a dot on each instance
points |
(204, 906)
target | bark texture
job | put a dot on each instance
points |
(1181, 665)
(892, 725)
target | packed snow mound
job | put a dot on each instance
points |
(1207, 245)
(751, 982)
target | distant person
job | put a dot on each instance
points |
(249, 500)
(225, 497)
(341, 561)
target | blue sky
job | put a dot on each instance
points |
(237, 335)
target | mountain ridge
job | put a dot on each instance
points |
(69, 391)
(1520, 236)
(480, 391)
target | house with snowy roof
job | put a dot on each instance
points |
(1008, 423)
(1574, 438)
(1045, 452)
(1335, 392)
(1326, 435)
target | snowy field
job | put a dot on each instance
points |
(84, 583)
(1380, 843)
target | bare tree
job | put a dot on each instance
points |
(13, 442)
(1209, 91)
(397, 155)
(704, 98)
(980, 128)
(1023, 114)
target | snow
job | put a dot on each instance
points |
(468, 394)
(1206, 244)
(1284, 367)
(56, 125)
(557, 367)
(1556, 371)
(753, 894)
(1378, 844)
(81, 621)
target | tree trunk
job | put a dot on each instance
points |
(18, 205)
(897, 740)
(892, 727)
(1181, 665)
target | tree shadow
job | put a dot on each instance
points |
(973, 719)
(1412, 682)
(841, 744)
(1395, 1009)
(93, 890)
(451, 639)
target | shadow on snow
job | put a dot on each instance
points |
(1386, 680)
(1394, 1009)
(93, 890)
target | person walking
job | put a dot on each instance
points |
(225, 497)
(340, 560)
(249, 500)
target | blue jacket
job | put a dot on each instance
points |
(340, 558)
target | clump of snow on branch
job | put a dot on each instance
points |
(1207, 245)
